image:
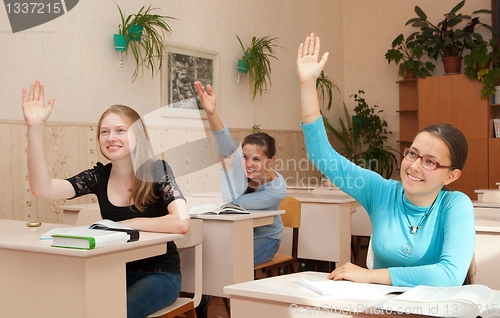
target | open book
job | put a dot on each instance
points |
(224, 208)
(462, 301)
(106, 225)
(347, 289)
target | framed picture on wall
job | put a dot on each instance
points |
(185, 65)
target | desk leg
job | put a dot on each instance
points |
(325, 232)
(227, 254)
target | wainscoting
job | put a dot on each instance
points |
(72, 148)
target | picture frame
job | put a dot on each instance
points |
(183, 66)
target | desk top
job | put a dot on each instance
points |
(302, 197)
(479, 204)
(323, 198)
(286, 289)
(79, 207)
(254, 214)
(15, 235)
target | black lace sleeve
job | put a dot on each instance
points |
(165, 182)
(86, 181)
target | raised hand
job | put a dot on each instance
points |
(34, 110)
(308, 66)
(208, 100)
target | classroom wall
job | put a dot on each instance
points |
(73, 56)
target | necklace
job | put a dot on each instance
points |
(413, 229)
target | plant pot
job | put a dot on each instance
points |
(121, 42)
(410, 74)
(242, 66)
(452, 64)
(135, 32)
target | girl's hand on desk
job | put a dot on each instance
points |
(358, 274)
(34, 110)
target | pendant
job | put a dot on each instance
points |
(414, 229)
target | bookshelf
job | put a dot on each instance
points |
(456, 100)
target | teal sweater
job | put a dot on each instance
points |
(439, 254)
(234, 184)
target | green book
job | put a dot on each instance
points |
(88, 239)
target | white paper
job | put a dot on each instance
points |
(347, 289)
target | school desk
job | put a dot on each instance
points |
(487, 252)
(282, 296)
(227, 243)
(325, 225)
(43, 281)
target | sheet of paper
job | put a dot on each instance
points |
(347, 289)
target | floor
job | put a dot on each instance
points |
(218, 310)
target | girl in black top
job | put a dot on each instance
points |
(131, 190)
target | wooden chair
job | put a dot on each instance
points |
(291, 218)
(192, 239)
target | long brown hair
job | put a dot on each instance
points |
(142, 192)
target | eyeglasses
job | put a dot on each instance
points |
(427, 162)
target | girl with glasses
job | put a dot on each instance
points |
(421, 233)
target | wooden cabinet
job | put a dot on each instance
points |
(456, 100)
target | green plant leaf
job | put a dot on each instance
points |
(458, 6)
(420, 13)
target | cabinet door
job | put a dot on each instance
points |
(434, 101)
(470, 111)
(475, 173)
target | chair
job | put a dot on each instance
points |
(469, 278)
(187, 305)
(291, 218)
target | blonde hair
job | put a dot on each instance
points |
(142, 192)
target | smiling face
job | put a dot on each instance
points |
(254, 162)
(114, 138)
(423, 185)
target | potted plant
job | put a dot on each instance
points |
(483, 64)
(256, 61)
(144, 32)
(409, 52)
(446, 39)
(326, 86)
(364, 136)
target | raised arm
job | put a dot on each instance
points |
(208, 102)
(36, 114)
(309, 69)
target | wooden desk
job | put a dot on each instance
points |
(43, 281)
(487, 252)
(228, 245)
(282, 296)
(325, 227)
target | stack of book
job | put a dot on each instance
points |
(496, 126)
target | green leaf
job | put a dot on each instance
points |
(458, 6)
(420, 13)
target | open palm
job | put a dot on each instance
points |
(308, 66)
(34, 110)
(208, 100)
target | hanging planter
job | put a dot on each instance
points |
(121, 42)
(256, 61)
(144, 33)
(242, 66)
(135, 32)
